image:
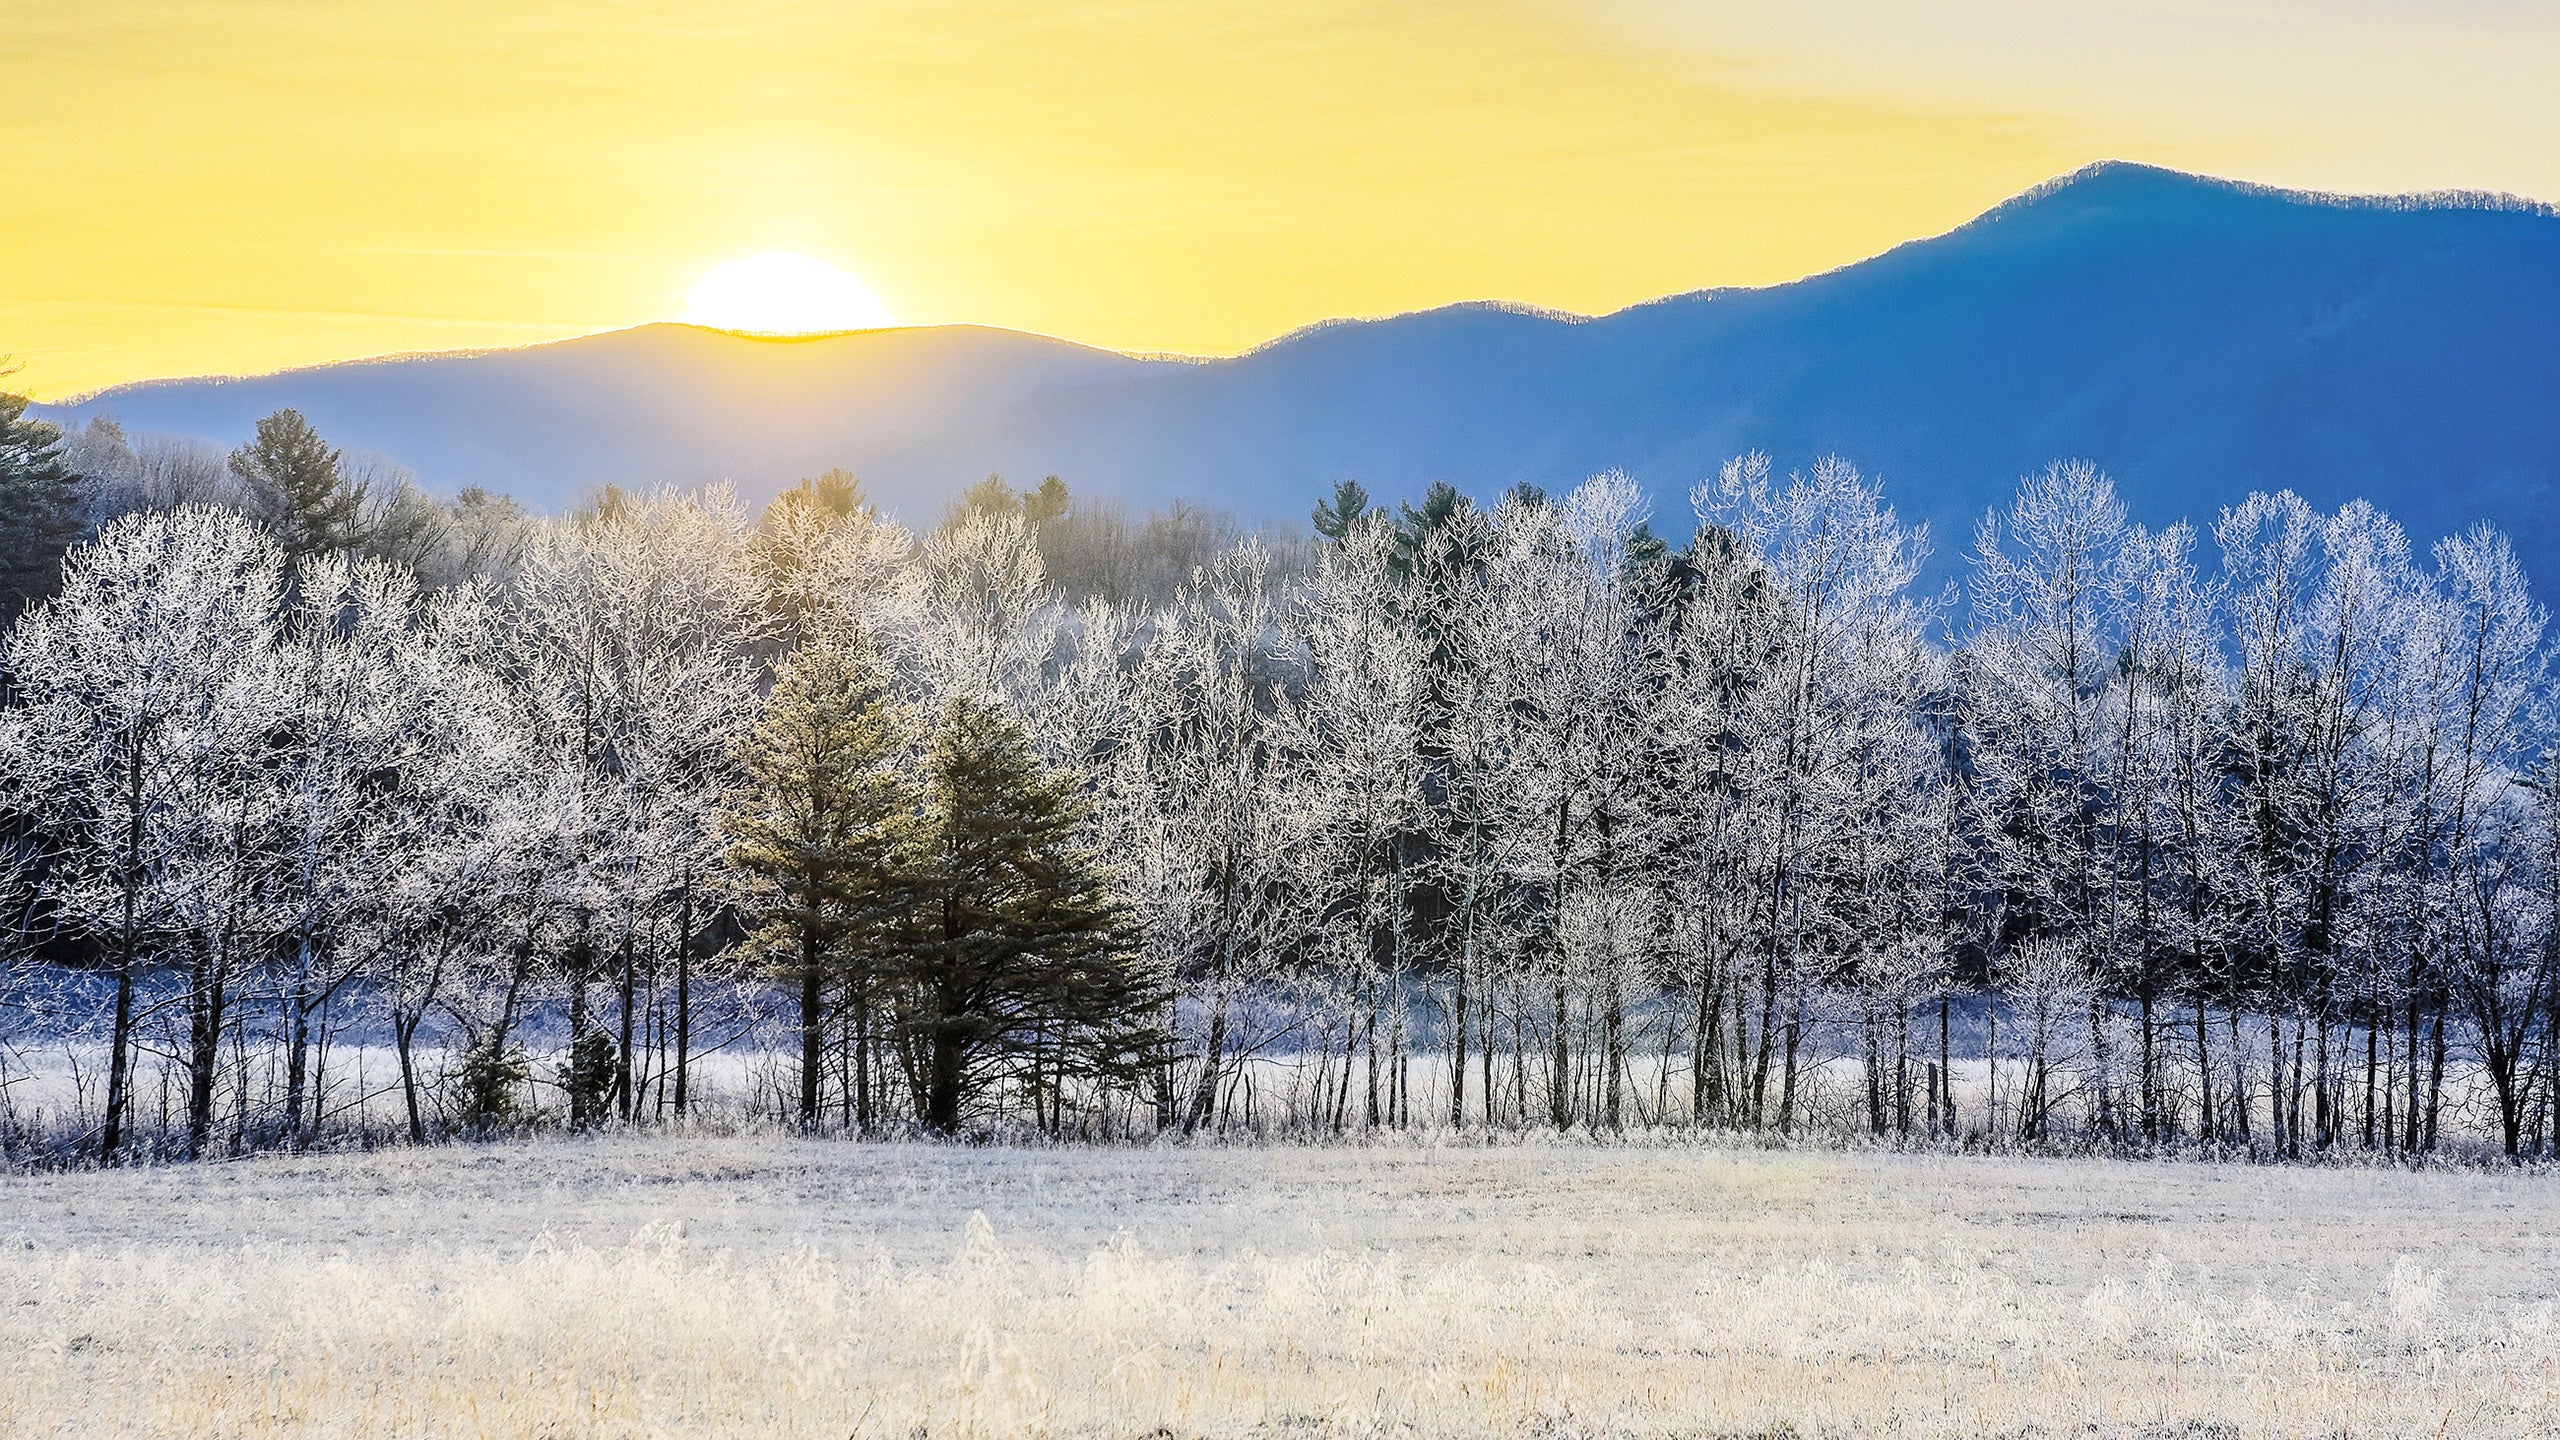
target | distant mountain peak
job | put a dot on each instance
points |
(2136, 182)
(1458, 308)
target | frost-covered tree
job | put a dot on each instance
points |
(455, 842)
(1835, 567)
(2174, 835)
(824, 558)
(128, 687)
(1568, 652)
(636, 626)
(1204, 803)
(348, 727)
(987, 618)
(2494, 822)
(1354, 741)
(2047, 704)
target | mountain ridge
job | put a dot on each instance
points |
(2196, 337)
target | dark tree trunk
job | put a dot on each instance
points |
(625, 1101)
(2435, 1079)
(946, 1066)
(404, 1035)
(120, 1042)
(204, 1052)
(298, 1003)
(813, 1038)
(1204, 1093)
(1706, 1048)
(684, 997)
(2205, 1127)
(1560, 1072)
(1458, 1014)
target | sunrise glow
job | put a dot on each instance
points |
(778, 293)
(1195, 178)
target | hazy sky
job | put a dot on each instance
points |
(191, 188)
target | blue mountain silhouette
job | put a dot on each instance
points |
(2196, 338)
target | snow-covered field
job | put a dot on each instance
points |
(758, 1287)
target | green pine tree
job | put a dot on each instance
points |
(40, 508)
(1334, 518)
(828, 826)
(988, 498)
(296, 486)
(1048, 504)
(836, 493)
(1019, 959)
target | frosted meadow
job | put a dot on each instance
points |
(719, 1287)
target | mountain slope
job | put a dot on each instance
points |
(2194, 337)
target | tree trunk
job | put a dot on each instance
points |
(1768, 1029)
(1560, 1075)
(2323, 1116)
(2372, 1064)
(1787, 1085)
(2276, 1083)
(2205, 1128)
(2150, 1064)
(684, 996)
(206, 1002)
(1369, 1048)
(1613, 1022)
(625, 1102)
(298, 1047)
(1991, 1067)
(1458, 1009)
(2409, 1111)
(942, 1093)
(1706, 1043)
(1942, 1119)
(404, 1034)
(1875, 1073)
(2435, 1079)
(1204, 1093)
(2102, 1051)
(1901, 1072)
(813, 1040)
(863, 1059)
(120, 1042)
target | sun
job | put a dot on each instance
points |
(779, 293)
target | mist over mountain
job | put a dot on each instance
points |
(2195, 338)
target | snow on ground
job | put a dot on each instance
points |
(737, 1287)
(1274, 1094)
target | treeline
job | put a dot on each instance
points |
(1508, 815)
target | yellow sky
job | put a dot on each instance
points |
(194, 188)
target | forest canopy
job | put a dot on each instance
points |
(1477, 815)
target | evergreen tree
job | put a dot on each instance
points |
(40, 509)
(1019, 957)
(1047, 505)
(1334, 518)
(1436, 548)
(836, 493)
(827, 830)
(988, 498)
(296, 486)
